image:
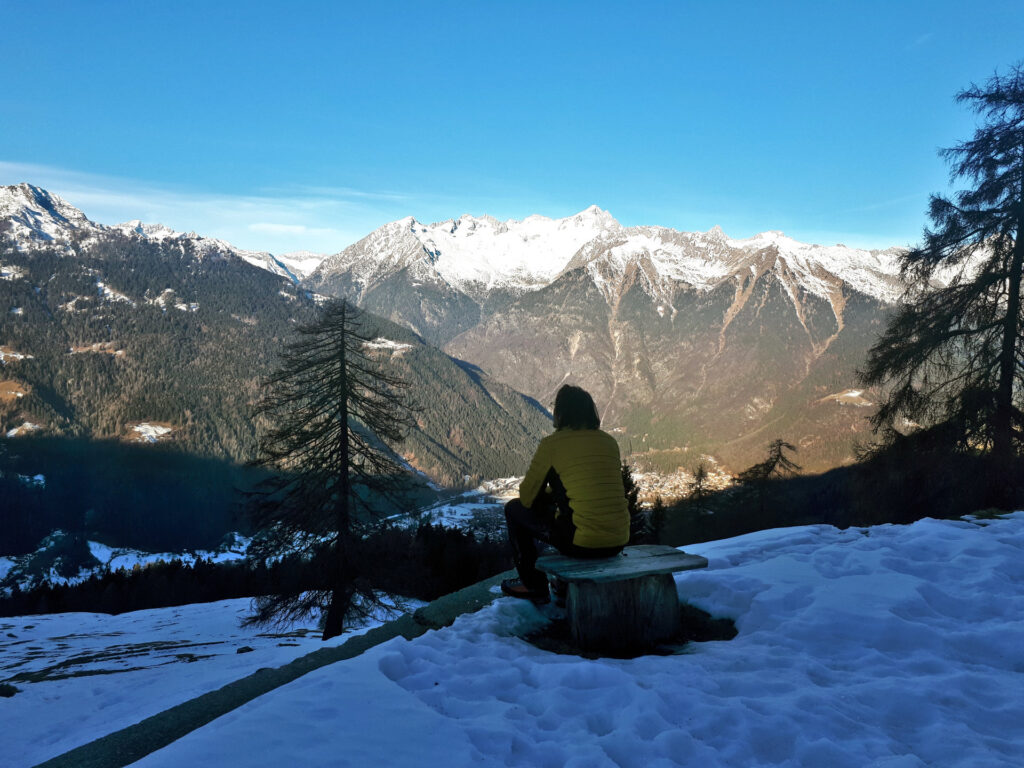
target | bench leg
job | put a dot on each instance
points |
(624, 616)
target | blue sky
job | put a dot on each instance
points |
(306, 125)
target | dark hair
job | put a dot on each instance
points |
(575, 409)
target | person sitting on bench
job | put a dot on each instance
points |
(572, 496)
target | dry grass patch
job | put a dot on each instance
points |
(11, 391)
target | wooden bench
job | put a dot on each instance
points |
(625, 603)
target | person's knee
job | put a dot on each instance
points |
(513, 509)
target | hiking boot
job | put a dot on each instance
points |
(516, 588)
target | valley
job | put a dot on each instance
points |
(698, 348)
(688, 340)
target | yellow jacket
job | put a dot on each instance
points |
(588, 464)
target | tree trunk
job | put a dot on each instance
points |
(1002, 438)
(334, 623)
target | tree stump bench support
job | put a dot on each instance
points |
(625, 603)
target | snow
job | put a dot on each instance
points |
(480, 510)
(150, 433)
(301, 263)
(474, 254)
(479, 254)
(853, 397)
(101, 673)
(6, 353)
(110, 294)
(155, 232)
(11, 273)
(25, 428)
(485, 253)
(460, 516)
(874, 273)
(382, 344)
(114, 558)
(39, 216)
(887, 646)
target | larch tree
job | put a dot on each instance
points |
(329, 413)
(951, 356)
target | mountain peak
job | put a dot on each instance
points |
(38, 215)
(150, 231)
(597, 214)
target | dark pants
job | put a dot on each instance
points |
(528, 525)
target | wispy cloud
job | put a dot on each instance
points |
(894, 202)
(340, 192)
(919, 41)
(322, 219)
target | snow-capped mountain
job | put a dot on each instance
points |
(206, 246)
(683, 337)
(92, 316)
(31, 216)
(475, 255)
(301, 263)
(480, 255)
(440, 279)
(704, 260)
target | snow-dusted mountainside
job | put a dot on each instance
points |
(301, 263)
(706, 260)
(96, 320)
(31, 216)
(685, 338)
(479, 255)
(475, 255)
(206, 246)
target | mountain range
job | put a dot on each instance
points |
(140, 333)
(692, 342)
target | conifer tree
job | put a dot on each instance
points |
(953, 356)
(329, 412)
(775, 466)
(637, 522)
(656, 521)
(697, 489)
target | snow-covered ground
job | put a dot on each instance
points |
(83, 675)
(480, 510)
(894, 646)
(26, 574)
(234, 547)
(150, 433)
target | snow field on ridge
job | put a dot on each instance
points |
(892, 646)
(522, 254)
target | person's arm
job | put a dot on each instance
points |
(535, 475)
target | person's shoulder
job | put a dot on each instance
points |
(581, 435)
